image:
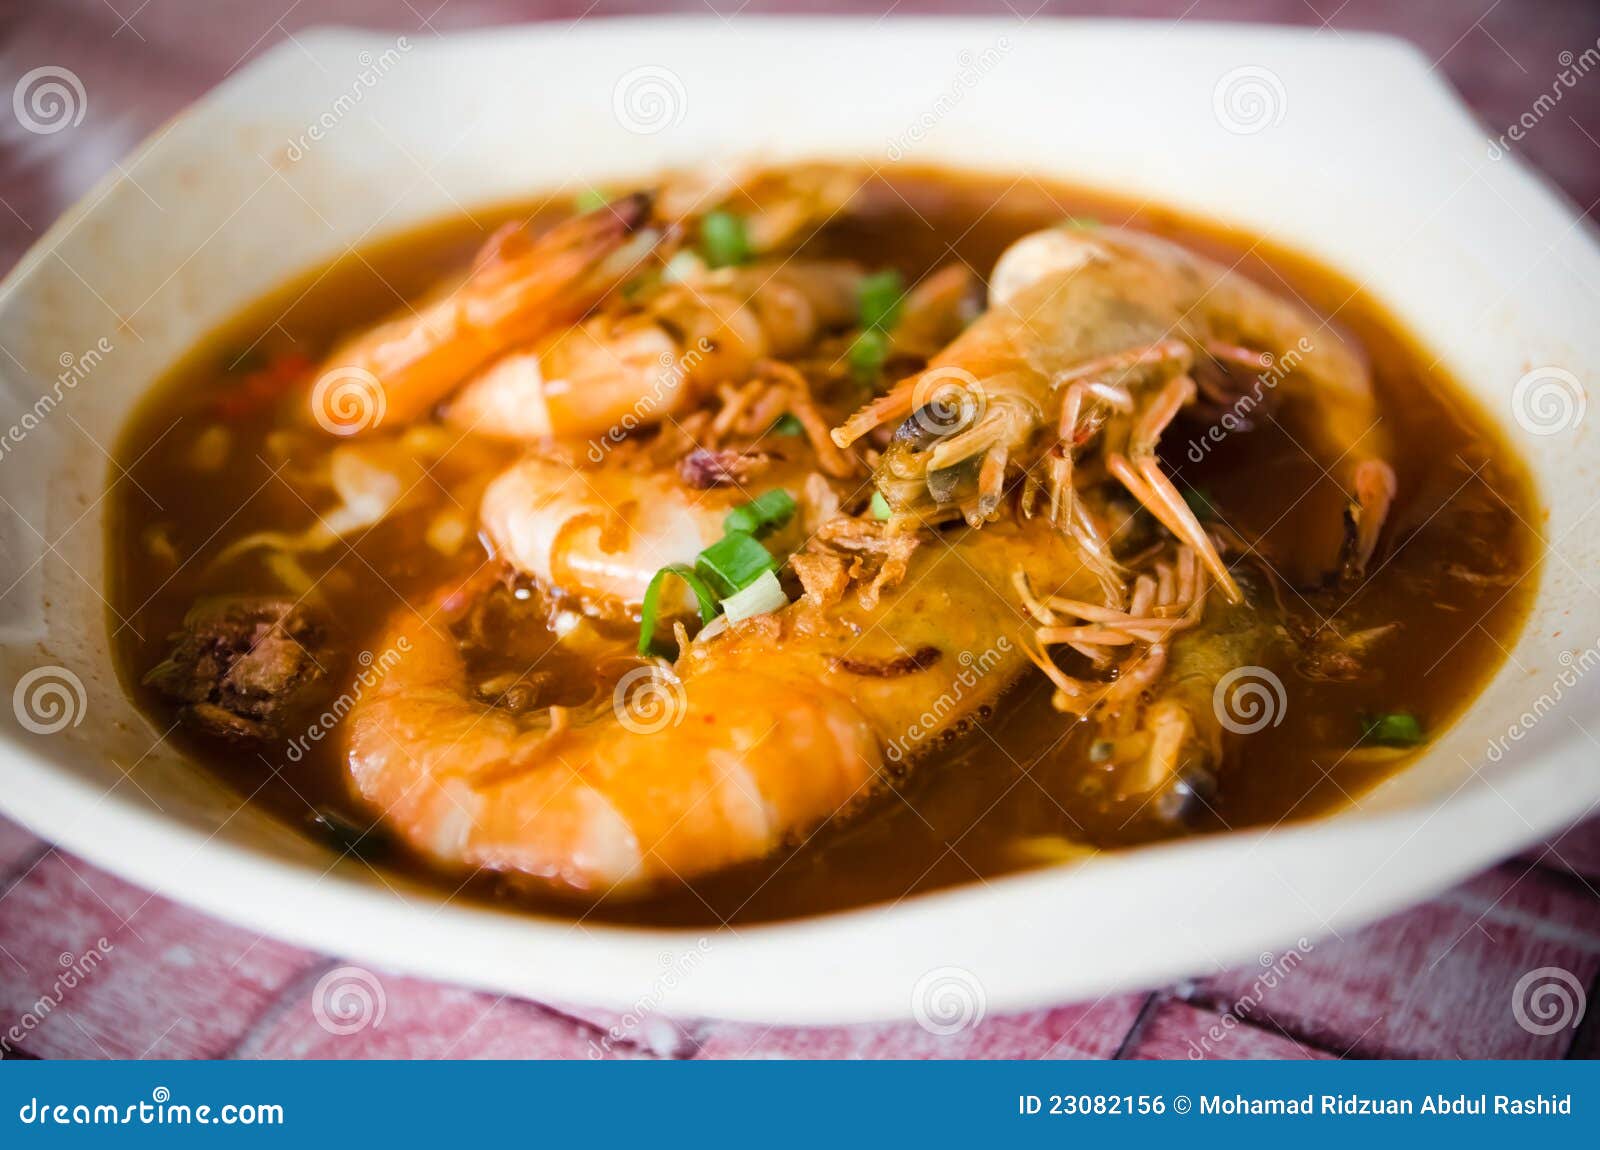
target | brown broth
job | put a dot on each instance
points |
(1465, 503)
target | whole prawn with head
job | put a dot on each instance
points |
(1091, 340)
(1087, 353)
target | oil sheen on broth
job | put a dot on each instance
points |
(1455, 573)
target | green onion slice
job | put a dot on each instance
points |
(766, 512)
(880, 506)
(879, 300)
(650, 608)
(684, 265)
(589, 200)
(724, 239)
(1395, 729)
(787, 424)
(733, 562)
(762, 597)
(868, 354)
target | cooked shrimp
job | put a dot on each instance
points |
(635, 370)
(936, 310)
(601, 533)
(1159, 704)
(1212, 682)
(778, 205)
(1095, 331)
(520, 286)
(691, 768)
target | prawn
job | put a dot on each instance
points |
(1093, 334)
(684, 769)
(524, 287)
(601, 533)
(1159, 717)
(521, 285)
(641, 367)
(778, 205)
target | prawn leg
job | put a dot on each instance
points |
(1140, 472)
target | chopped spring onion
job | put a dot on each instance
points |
(723, 239)
(766, 512)
(589, 200)
(736, 569)
(651, 606)
(788, 424)
(733, 562)
(879, 300)
(684, 265)
(1395, 729)
(761, 597)
(880, 506)
(868, 354)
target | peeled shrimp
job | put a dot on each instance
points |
(1092, 333)
(754, 738)
(520, 287)
(601, 533)
(636, 370)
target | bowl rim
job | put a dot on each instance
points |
(157, 851)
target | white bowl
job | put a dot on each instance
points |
(1352, 151)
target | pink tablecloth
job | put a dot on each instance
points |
(1475, 973)
(1498, 967)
